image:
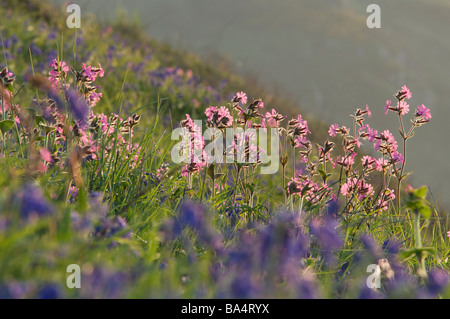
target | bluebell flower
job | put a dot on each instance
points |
(35, 50)
(49, 291)
(33, 202)
(78, 107)
(438, 279)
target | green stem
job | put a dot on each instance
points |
(418, 236)
(418, 241)
(300, 207)
(403, 164)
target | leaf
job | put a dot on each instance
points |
(6, 125)
(425, 211)
(211, 171)
(39, 119)
(48, 129)
(10, 88)
(417, 252)
(421, 192)
(251, 187)
(406, 175)
(323, 175)
(417, 202)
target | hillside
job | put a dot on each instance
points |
(94, 202)
(303, 48)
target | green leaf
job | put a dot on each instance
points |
(10, 88)
(417, 252)
(48, 129)
(421, 192)
(425, 211)
(6, 125)
(211, 171)
(39, 120)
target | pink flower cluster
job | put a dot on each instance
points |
(218, 117)
(88, 136)
(58, 73)
(195, 150)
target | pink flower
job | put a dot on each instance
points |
(94, 97)
(368, 161)
(405, 92)
(380, 164)
(218, 117)
(271, 122)
(424, 112)
(46, 155)
(333, 130)
(240, 97)
(92, 72)
(383, 202)
(364, 190)
(345, 189)
(73, 191)
(387, 107)
(448, 234)
(302, 141)
(349, 186)
(225, 116)
(346, 161)
(57, 67)
(370, 133)
(101, 72)
(397, 157)
(369, 114)
(210, 111)
(402, 107)
(188, 122)
(59, 71)
(274, 118)
(386, 142)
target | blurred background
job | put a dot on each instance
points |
(322, 55)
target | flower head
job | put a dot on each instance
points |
(369, 113)
(218, 117)
(333, 130)
(388, 105)
(404, 93)
(402, 107)
(274, 118)
(240, 97)
(424, 112)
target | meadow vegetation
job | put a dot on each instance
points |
(88, 178)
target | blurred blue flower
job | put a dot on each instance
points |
(33, 202)
(438, 279)
(326, 232)
(49, 291)
(35, 50)
(78, 107)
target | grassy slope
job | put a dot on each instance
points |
(329, 38)
(55, 246)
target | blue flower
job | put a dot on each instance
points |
(78, 107)
(33, 202)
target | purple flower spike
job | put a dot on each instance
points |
(78, 107)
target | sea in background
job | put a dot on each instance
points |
(322, 54)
